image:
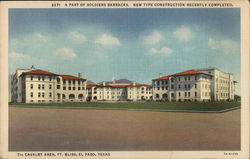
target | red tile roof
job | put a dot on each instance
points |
(91, 85)
(141, 85)
(162, 78)
(39, 72)
(119, 86)
(71, 77)
(189, 72)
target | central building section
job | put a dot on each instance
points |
(119, 90)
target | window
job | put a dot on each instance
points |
(172, 79)
(50, 94)
(195, 77)
(58, 86)
(185, 78)
(31, 94)
(79, 88)
(189, 94)
(39, 78)
(74, 88)
(39, 94)
(185, 86)
(179, 94)
(195, 93)
(185, 94)
(69, 81)
(188, 85)
(39, 86)
(43, 86)
(83, 88)
(162, 88)
(74, 82)
(179, 86)
(158, 82)
(179, 78)
(79, 82)
(158, 88)
(195, 86)
(49, 78)
(50, 86)
(64, 81)
(64, 88)
(189, 78)
(31, 78)
(43, 78)
(43, 94)
(58, 80)
(69, 88)
(31, 86)
(172, 86)
(162, 82)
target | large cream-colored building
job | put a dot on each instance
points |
(39, 86)
(195, 85)
(119, 91)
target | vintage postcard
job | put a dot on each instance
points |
(124, 79)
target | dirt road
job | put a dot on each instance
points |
(44, 129)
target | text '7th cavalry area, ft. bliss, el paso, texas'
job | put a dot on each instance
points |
(124, 79)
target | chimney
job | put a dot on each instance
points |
(134, 83)
(113, 80)
(104, 84)
(160, 74)
(79, 75)
(32, 67)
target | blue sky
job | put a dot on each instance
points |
(136, 44)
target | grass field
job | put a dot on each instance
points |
(197, 106)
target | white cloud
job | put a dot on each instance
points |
(65, 53)
(152, 38)
(78, 36)
(183, 33)
(108, 40)
(225, 46)
(18, 60)
(162, 51)
(15, 55)
(38, 37)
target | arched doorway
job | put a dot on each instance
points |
(80, 96)
(165, 96)
(71, 96)
(157, 96)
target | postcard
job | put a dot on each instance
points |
(124, 79)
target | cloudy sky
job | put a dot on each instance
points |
(137, 44)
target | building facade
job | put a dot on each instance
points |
(119, 91)
(39, 86)
(195, 85)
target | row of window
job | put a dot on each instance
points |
(70, 81)
(41, 78)
(40, 86)
(40, 94)
(70, 88)
(186, 78)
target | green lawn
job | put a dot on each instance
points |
(198, 106)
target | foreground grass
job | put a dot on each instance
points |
(197, 106)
